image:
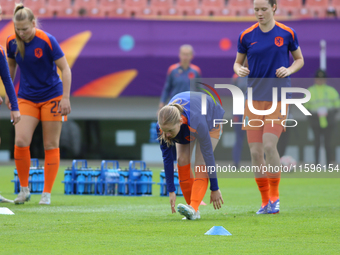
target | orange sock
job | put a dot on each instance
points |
(52, 159)
(263, 185)
(199, 188)
(186, 181)
(22, 158)
(274, 180)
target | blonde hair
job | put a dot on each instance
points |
(170, 115)
(186, 46)
(22, 13)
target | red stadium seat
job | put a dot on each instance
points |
(86, 8)
(336, 5)
(110, 8)
(61, 8)
(7, 7)
(38, 7)
(134, 8)
(160, 7)
(187, 7)
(240, 7)
(212, 7)
(317, 8)
(289, 8)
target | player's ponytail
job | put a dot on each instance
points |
(170, 115)
(22, 13)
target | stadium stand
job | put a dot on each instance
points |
(240, 7)
(212, 7)
(187, 7)
(86, 8)
(61, 8)
(317, 8)
(161, 7)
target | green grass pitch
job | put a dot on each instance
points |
(308, 223)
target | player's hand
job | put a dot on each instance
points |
(15, 117)
(172, 197)
(8, 103)
(1, 100)
(64, 106)
(282, 72)
(243, 71)
(216, 199)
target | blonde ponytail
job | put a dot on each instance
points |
(22, 13)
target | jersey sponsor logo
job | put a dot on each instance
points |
(253, 43)
(38, 52)
(191, 75)
(278, 41)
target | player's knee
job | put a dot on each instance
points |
(269, 148)
(256, 156)
(50, 145)
(22, 141)
(183, 160)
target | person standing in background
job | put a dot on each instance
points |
(324, 104)
(179, 75)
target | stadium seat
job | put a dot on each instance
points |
(212, 7)
(187, 7)
(109, 8)
(336, 5)
(38, 7)
(88, 8)
(134, 8)
(161, 7)
(7, 7)
(240, 7)
(61, 8)
(317, 8)
(291, 8)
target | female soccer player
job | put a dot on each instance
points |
(266, 46)
(180, 123)
(6, 79)
(42, 96)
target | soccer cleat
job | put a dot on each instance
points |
(275, 206)
(188, 212)
(45, 199)
(198, 216)
(23, 196)
(5, 200)
(264, 209)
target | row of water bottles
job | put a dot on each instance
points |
(109, 179)
(163, 188)
(36, 178)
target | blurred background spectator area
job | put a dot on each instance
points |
(173, 9)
